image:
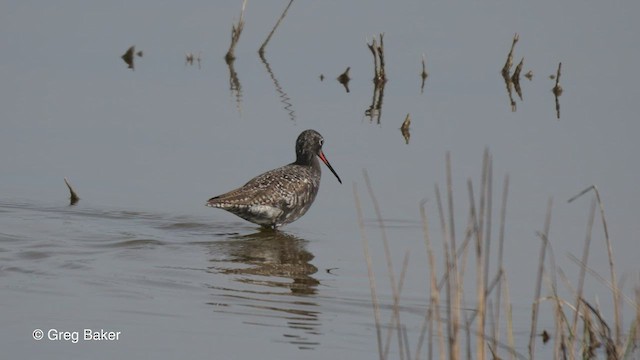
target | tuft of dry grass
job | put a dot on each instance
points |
(448, 310)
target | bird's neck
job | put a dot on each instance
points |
(306, 159)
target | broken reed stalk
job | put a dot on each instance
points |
(614, 283)
(387, 253)
(557, 91)
(585, 258)
(515, 78)
(372, 280)
(424, 74)
(534, 308)
(236, 31)
(73, 196)
(382, 75)
(404, 128)
(507, 65)
(500, 270)
(379, 74)
(434, 301)
(266, 41)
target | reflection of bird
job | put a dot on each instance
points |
(270, 253)
(282, 195)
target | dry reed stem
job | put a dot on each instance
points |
(482, 252)
(614, 282)
(387, 254)
(236, 31)
(464, 250)
(509, 312)
(489, 215)
(461, 252)
(467, 330)
(266, 41)
(373, 48)
(395, 317)
(638, 314)
(446, 276)
(534, 309)
(633, 337)
(585, 258)
(494, 328)
(372, 281)
(601, 279)
(507, 65)
(379, 73)
(572, 340)
(435, 292)
(404, 128)
(426, 330)
(515, 78)
(557, 91)
(560, 318)
(456, 289)
(405, 338)
(505, 347)
(480, 291)
(500, 270)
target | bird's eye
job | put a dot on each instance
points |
(321, 142)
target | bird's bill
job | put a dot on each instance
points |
(326, 162)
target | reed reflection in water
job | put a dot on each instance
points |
(272, 279)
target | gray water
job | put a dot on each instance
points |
(141, 255)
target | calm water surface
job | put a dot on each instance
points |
(140, 254)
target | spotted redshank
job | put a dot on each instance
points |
(282, 195)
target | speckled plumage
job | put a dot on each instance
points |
(282, 195)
